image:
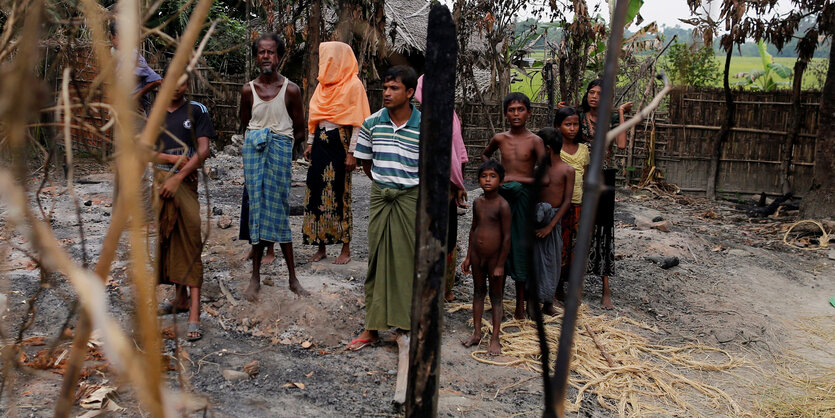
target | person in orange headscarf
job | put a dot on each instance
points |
(337, 109)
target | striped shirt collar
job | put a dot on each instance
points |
(413, 122)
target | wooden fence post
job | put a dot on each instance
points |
(432, 214)
(548, 73)
(787, 148)
(592, 188)
(724, 132)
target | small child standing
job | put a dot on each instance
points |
(489, 246)
(554, 203)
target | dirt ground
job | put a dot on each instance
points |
(737, 287)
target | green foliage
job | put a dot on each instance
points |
(632, 11)
(691, 65)
(227, 46)
(765, 79)
(226, 50)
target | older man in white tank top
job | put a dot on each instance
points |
(271, 110)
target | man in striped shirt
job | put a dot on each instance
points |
(388, 147)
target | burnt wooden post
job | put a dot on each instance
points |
(548, 73)
(591, 196)
(432, 214)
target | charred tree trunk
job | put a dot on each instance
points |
(819, 202)
(564, 91)
(314, 37)
(432, 215)
(724, 131)
(344, 31)
(548, 75)
(787, 149)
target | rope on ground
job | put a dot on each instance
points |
(646, 378)
(823, 242)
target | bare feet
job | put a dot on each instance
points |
(297, 288)
(249, 254)
(344, 256)
(474, 340)
(270, 257)
(607, 302)
(251, 293)
(548, 309)
(607, 294)
(448, 296)
(320, 254)
(495, 348)
(519, 314)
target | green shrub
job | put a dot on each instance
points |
(691, 65)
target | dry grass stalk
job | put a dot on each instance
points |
(647, 379)
(16, 108)
(144, 371)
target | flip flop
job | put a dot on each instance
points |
(832, 302)
(194, 328)
(358, 344)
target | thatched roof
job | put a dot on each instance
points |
(406, 24)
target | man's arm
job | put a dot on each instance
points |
(169, 188)
(366, 168)
(491, 147)
(245, 112)
(146, 88)
(296, 110)
(539, 149)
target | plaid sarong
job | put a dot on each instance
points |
(268, 161)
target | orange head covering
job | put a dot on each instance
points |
(340, 97)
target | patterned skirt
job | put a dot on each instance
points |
(602, 252)
(327, 202)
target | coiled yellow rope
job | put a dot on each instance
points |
(823, 243)
(647, 378)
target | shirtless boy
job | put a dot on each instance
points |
(554, 202)
(487, 252)
(520, 151)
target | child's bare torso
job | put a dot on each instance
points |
(518, 153)
(487, 235)
(553, 184)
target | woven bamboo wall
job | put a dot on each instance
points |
(87, 136)
(687, 124)
(481, 121)
(750, 159)
(219, 92)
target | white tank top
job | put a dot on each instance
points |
(272, 113)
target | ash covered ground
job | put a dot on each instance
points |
(737, 287)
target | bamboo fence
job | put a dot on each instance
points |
(685, 128)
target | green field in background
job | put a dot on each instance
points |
(531, 86)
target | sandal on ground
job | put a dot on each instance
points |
(168, 308)
(193, 333)
(358, 344)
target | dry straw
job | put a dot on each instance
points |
(647, 379)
